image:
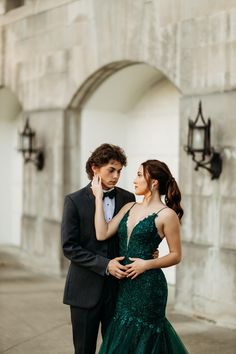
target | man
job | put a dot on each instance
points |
(91, 283)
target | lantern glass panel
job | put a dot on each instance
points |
(198, 139)
(33, 142)
(25, 142)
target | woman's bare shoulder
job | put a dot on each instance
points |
(167, 214)
(127, 206)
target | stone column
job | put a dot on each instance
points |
(206, 284)
(43, 193)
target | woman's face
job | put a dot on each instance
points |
(140, 183)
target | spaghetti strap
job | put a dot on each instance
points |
(158, 210)
(131, 207)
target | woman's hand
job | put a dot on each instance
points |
(136, 268)
(97, 186)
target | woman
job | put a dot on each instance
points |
(139, 325)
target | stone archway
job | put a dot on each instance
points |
(129, 104)
(11, 171)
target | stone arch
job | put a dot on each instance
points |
(116, 104)
(94, 80)
(11, 174)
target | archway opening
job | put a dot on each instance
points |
(135, 107)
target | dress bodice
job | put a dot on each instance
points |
(142, 243)
(143, 240)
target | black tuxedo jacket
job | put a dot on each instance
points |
(88, 257)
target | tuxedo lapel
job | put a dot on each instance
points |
(118, 201)
(90, 200)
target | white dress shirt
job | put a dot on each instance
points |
(108, 207)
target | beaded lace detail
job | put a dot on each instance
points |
(142, 243)
(139, 325)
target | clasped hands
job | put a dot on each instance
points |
(132, 270)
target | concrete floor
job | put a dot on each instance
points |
(33, 319)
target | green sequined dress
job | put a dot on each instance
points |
(139, 325)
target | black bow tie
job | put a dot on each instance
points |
(111, 194)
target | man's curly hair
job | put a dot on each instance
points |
(102, 155)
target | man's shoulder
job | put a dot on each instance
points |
(124, 192)
(78, 194)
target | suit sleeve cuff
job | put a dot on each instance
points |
(107, 271)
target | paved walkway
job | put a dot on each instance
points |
(33, 319)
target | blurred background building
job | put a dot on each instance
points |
(127, 72)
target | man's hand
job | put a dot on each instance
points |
(155, 254)
(116, 269)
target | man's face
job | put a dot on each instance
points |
(109, 173)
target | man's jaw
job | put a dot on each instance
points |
(109, 186)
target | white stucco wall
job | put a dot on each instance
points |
(153, 133)
(98, 127)
(106, 115)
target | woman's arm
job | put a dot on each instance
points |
(171, 229)
(105, 230)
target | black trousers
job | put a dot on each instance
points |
(85, 322)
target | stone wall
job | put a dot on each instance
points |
(1, 55)
(52, 47)
(206, 282)
(43, 194)
(56, 45)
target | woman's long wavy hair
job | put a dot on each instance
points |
(167, 186)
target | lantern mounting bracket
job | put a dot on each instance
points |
(214, 163)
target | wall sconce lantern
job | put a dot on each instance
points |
(27, 147)
(199, 145)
